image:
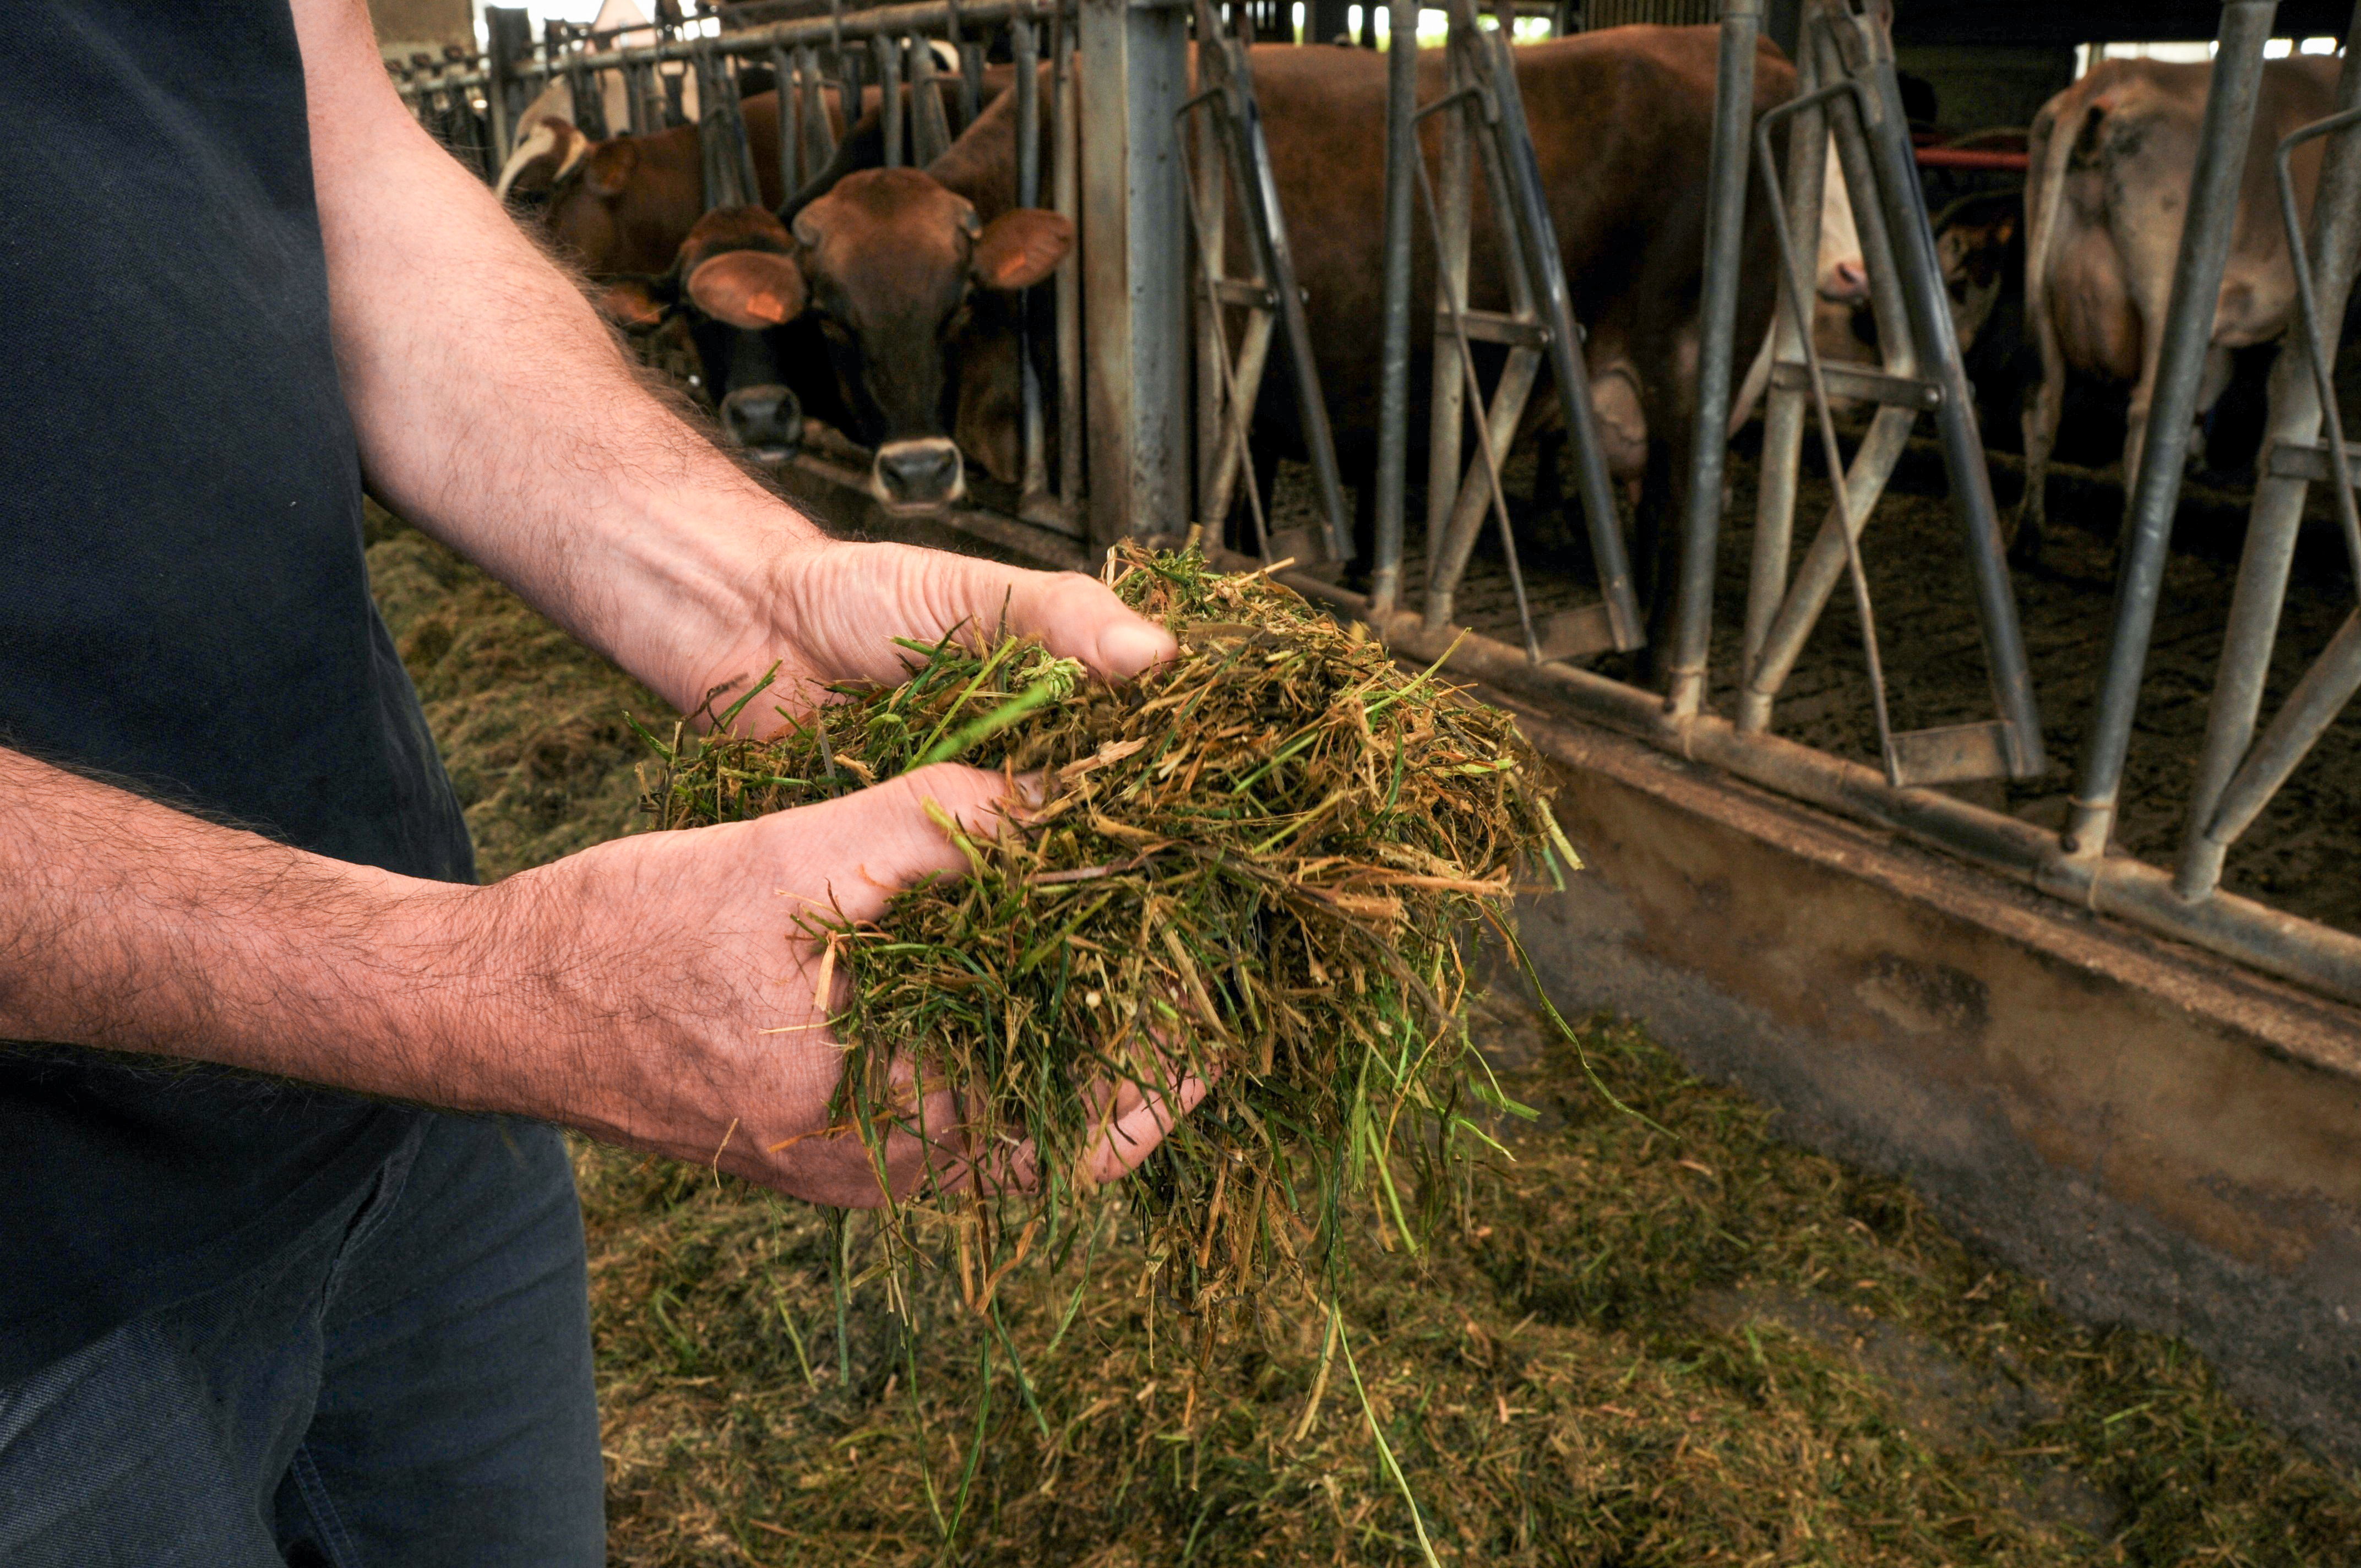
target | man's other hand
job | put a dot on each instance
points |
(828, 611)
(674, 1001)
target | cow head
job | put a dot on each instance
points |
(737, 282)
(898, 269)
(586, 210)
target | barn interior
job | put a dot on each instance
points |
(1989, 1200)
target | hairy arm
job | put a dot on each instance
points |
(495, 411)
(655, 992)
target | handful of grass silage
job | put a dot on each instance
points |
(1257, 865)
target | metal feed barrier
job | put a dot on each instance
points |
(1129, 463)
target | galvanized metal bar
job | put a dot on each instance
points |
(589, 100)
(2298, 725)
(728, 153)
(635, 98)
(1796, 282)
(1725, 228)
(1447, 557)
(2298, 399)
(1023, 50)
(2318, 344)
(2188, 333)
(1824, 566)
(1780, 467)
(1134, 73)
(1447, 406)
(1869, 52)
(1210, 211)
(783, 75)
(839, 28)
(1536, 235)
(1393, 372)
(818, 138)
(1235, 386)
(848, 56)
(509, 30)
(1241, 133)
(930, 129)
(1065, 192)
(888, 52)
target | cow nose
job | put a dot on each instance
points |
(1847, 283)
(766, 419)
(916, 475)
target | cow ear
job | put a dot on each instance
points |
(749, 288)
(635, 304)
(610, 167)
(1021, 249)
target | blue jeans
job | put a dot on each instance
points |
(408, 1383)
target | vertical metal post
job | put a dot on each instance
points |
(889, 94)
(1454, 186)
(1025, 53)
(509, 32)
(1393, 386)
(819, 142)
(1065, 199)
(783, 77)
(1544, 265)
(1725, 226)
(2277, 513)
(1785, 407)
(1134, 75)
(1210, 204)
(2187, 332)
(930, 130)
(1966, 469)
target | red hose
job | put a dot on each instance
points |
(1972, 158)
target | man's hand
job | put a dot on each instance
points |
(678, 1000)
(830, 611)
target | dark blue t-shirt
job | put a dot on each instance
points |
(183, 607)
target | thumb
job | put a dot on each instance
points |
(867, 846)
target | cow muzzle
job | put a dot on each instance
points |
(767, 420)
(1845, 283)
(917, 476)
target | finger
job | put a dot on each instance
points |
(1134, 1135)
(1081, 618)
(866, 845)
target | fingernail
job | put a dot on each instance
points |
(1131, 646)
(1029, 790)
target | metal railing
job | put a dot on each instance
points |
(2240, 769)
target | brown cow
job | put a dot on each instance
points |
(2112, 158)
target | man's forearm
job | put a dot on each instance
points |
(493, 407)
(134, 927)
